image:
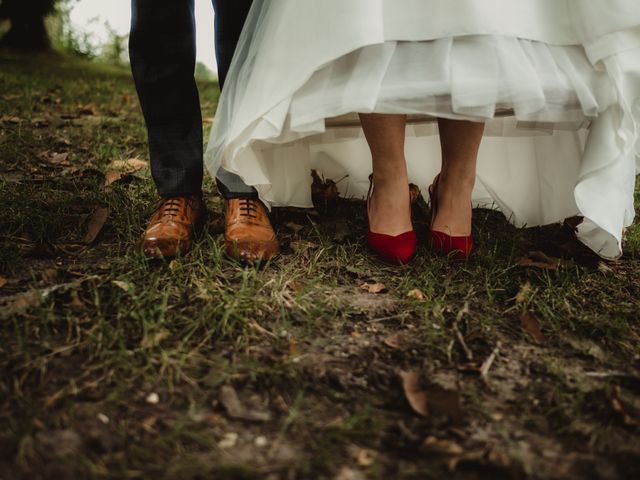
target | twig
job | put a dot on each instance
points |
(463, 344)
(486, 366)
(253, 324)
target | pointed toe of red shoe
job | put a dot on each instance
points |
(394, 249)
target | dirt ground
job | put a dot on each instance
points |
(523, 362)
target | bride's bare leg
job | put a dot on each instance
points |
(460, 141)
(390, 211)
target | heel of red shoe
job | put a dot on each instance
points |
(395, 249)
(458, 248)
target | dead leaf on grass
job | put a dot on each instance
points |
(3, 281)
(364, 457)
(538, 259)
(373, 287)
(395, 341)
(436, 446)
(323, 189)
(416, 294)
(117, 169)
(20, 303)
(12, 177)
(415, 395)
(530, 324)
(59, 158)
(235, 409)
(39, 122)
(88, 109)
(96, 224)
(10, 119)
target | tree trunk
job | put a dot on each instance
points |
(27, 33)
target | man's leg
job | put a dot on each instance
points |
(230, 18)
(248, 234)
(162, 51)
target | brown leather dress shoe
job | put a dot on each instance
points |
(173, 226)
(248, 234)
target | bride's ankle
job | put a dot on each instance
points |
(387, 182)
(456, 183)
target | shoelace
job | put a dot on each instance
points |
(248, 207)
(170, 207)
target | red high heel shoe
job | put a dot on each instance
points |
(458, 247)
(391, 248)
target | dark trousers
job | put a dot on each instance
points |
(162, 48)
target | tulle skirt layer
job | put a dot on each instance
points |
(561, 134)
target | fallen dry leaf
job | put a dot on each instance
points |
(441, 447)
(394, 341)
(530, 324)
(20, 303)
(10, 119)
(365, 458)
(322, 189)
(96, 224)
(538, 260)
(111, 177)
(59, 158)
(3, 281)
(373, 287)
(117, 169)
(39, 122)
(88, 109)
(12, 177)
(414, 193)
(235, 409)
(416, 294)
(415, 395)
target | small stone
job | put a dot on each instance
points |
(153, 398)
(103, 418)
(261, 441)
(229, 440)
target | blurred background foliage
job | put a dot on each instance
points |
(45, 25)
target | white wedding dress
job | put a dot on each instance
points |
(557, 82)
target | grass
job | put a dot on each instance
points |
(92, 335)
